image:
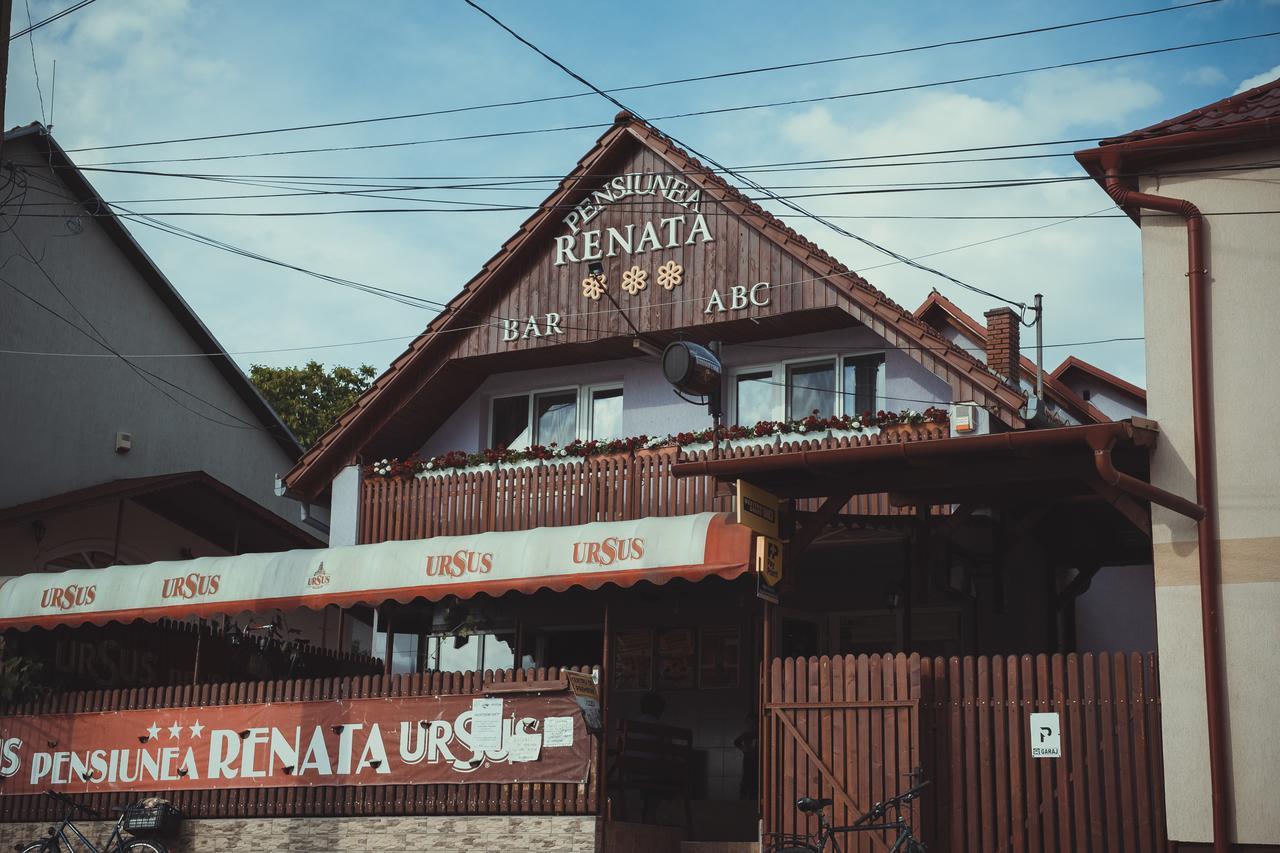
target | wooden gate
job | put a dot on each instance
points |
(850, 728)
(847, 728)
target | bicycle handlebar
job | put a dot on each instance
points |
(65, 800)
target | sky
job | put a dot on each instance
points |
(139, 72)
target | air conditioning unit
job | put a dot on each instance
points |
(969, 419)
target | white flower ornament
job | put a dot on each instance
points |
(670, 275)
(593, 287)
(634, 280)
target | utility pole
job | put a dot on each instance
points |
(1039, 344)
(6, 20)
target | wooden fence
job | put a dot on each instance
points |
(972, 738)
(616, 487)
(319, 801)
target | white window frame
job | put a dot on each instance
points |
(582, 426)
(588, 412)
(778, 376)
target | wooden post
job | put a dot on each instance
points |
(195, 666)
(764, 722)
(386, 663)
(602, 788)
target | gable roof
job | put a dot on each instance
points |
(938, 310)
(1075, 365)
(102, 214)
(427, 359)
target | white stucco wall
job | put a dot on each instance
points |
(1244, 275)
(650, 407)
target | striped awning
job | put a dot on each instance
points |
(586, 555)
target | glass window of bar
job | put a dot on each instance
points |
(555, 418)
(811, 389)
(606, 414)
(754, 393)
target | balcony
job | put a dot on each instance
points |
(556, 494)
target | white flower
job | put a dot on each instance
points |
(430, 466)
(802, 428)
(856, 424)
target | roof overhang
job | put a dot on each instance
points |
(1132, 156)
(624, 553)
(1009, 468)
(192, 500)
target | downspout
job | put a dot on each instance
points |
(1206, 527)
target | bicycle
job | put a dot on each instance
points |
(58, 840)
(904, 842)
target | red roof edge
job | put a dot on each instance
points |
(1072, 363)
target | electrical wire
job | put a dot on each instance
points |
(717, 76)
(35, 68)
(690, 114)
(49, 20)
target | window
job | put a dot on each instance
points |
(606, 414)
(510, 426)
(836, 385)
(863, 383)
(412, 653)
(551, 417)
(555, 418)
(754, 395)
(811, 388)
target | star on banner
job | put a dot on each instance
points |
(153, 732)
(175, 731)
(196, 729)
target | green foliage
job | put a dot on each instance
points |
(309, 399)
(19, 679)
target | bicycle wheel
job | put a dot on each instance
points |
(139, 846)
(38, 847)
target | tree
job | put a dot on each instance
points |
(307, 398)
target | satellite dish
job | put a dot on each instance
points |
(692, 369)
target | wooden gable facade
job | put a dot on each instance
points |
(684, 255)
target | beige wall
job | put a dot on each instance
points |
(1244, 276)
(468, 834)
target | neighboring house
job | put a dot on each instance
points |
(106, 459)
(1202, 188)
(1076, 392)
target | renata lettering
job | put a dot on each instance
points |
(459, 563)
(190, 586)
(67, 597)
(608, 551)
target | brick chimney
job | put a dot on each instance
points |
(1003, 351)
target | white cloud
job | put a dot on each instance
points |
(1258, 79)
(1205, 75)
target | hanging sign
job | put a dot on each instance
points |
(757, 509)
(398, 741)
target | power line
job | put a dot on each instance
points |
(49, 20)
(35, 68)
(780, 166)
(694, 113)
(744, 344)
(835, 189)
(717, 76)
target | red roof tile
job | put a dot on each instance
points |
(1257, 104)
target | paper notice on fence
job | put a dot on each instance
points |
(557, 731)
(486, 724)
(524, 747)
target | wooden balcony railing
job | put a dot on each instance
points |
(555, 494)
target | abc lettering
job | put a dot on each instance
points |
(608, 551)
(69, 596)
(458, 564)
(192, 585)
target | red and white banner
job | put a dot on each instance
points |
(590, 555)
(512, 738)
